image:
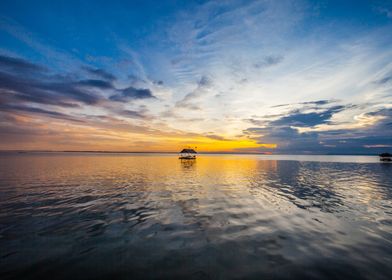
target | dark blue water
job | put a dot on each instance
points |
(86, 216)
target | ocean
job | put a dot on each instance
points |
(153, 216)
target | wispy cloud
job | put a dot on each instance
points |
(100, 73)
(290, 75)
(189, 101)
(132, 93)
(317, 132)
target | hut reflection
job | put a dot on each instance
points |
(187, 164)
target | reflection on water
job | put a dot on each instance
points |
(187, 163)
(154, 216)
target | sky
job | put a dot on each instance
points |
(296, 77)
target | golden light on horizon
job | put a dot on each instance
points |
(103, 137)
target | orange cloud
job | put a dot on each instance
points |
(114, 135)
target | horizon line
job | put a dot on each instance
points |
(167, 152)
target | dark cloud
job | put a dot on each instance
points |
(46, 99)
(136, 114)
(384, 80)
(205, 82)
(315, 103)
(287, 138)
(269, 60)
(34, 110)
(131, 113)
(254, 121)
(70, 90)
(216, 137)
(132, 93)
(14, 64)
(298, 118)
(280, 130)
(37, 86)
(29, 89)
(159, 83)
(16, 89)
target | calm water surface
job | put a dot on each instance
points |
(90, 216)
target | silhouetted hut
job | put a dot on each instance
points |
(188, 154)
(385, 157)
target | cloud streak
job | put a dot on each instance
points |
(132, 93)
(280, 76)
(316, 132)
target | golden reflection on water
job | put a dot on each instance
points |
(247, 215)
(153, 172)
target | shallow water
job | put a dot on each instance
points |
(124, 216)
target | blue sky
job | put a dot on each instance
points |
(252, 76)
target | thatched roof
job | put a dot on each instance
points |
(385, 155)
(188, 151)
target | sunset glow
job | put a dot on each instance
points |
(224, 76)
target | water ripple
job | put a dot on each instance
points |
(138, 216)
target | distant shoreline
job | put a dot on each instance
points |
(152, 152)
